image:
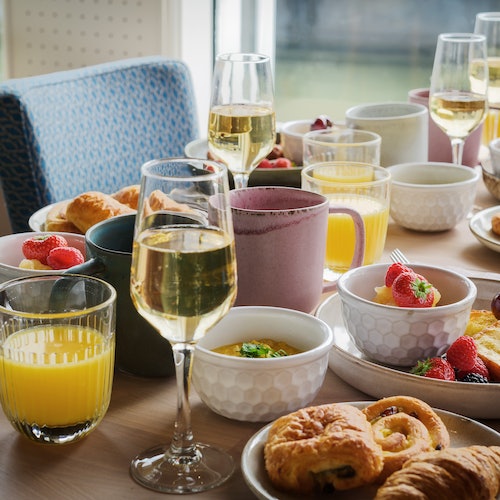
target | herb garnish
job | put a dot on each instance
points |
(251, 350)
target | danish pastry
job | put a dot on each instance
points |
(322, 448)
(92, 207)
(404, 427)
(468, 473)
(495, 224)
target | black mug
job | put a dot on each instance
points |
(140, 349)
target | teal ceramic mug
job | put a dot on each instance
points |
(140, 349)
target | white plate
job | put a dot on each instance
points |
(377, 380)
(480, 225)
(37, 221)
(463, 432)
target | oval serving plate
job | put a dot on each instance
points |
(463, 432)
(480, 226)
(289, 177)
(378, 381)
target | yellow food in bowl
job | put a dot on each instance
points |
(264, 348)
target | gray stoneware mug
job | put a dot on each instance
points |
(140, 349)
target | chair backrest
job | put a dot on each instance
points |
(87, 129)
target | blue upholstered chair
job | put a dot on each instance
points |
(90, 129)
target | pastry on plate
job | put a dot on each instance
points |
(322, 448)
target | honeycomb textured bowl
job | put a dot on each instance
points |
(402, 336)
(260, 390)
(431, 196)
(491, 181)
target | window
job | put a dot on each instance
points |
(330, 55)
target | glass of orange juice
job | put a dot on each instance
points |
(363, 187)
(57, 340)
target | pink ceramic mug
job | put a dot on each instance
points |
(439, 142)
(280, 238)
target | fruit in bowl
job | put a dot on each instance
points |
(402, 336)
(16, 264)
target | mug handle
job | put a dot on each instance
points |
(359, 246)
(92, 267)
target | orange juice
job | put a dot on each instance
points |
(56, 376)
(490, 132)
(341, 235)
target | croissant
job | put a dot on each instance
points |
(92, 207)
(320, 449)
(468, 473)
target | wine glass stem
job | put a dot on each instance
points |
(240, 180)
(457, 149)
(183, 441)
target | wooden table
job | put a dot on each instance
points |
(142, 410)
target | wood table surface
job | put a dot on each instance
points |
(142, 410)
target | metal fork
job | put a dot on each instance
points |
(398, 256)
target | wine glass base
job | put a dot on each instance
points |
(161, 470)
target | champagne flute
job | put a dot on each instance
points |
(183, 281)
(241, 126)
(488, 24)
(458, 90)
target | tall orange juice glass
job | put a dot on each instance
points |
(57, 338)
(363, 187)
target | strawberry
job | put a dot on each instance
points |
(322, 122)
(282, 163)
(438, 368)
(64, 257)
(265, 163)
(394, 271)
(462, 354)
(39, 247)
(479, 368)
(412, 290)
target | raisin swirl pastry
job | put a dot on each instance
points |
(468, 473)
(404, 427)
(320, 449)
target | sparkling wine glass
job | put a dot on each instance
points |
(241, 125)
(459, 84)
(488, 24)
(183, 281)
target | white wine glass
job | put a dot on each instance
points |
(183, 281)
(458, 89)
(242, 124)
(488, 24)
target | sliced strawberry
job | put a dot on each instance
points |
(394, 271)
(321, 122)
(412, 290)
(436, 367)
(39, 247)
(64, 257)
(462, 354)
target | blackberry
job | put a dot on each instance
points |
(474, 377)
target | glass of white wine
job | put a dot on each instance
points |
(183, 281)
(488, 24)
(242, 124)
(459, 85)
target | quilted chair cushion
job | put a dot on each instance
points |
(90, 129)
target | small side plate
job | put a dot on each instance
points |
(480, 226)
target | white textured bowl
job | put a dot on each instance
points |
(431, 196)
(402, 336)
(260, 390)
(291, 138)
(11, 254)
(494, 148)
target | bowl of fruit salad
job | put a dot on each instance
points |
(25, 254)
(399, 314)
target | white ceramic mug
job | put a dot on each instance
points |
(403, 126)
